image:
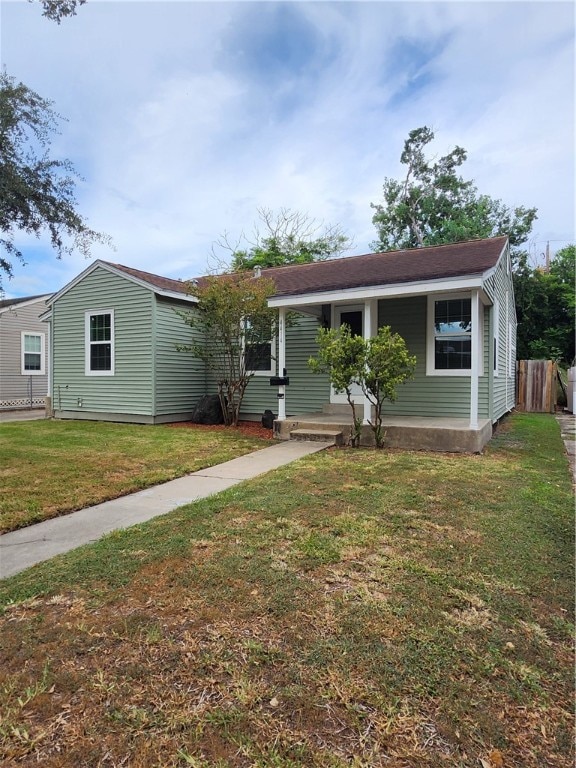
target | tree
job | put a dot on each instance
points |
(286, 237)
(37, 192)
(434, 205)
(378, 365)
(545, 305)
(236, 328)
(56, 10)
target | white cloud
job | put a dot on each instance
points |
(186, 117)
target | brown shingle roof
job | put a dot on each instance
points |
(163, 283)
(408, 266)
(414, 265)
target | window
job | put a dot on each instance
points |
(258, 345)
(449, 335)
(100, 343)
(33, 354)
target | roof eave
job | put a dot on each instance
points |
(413, 288)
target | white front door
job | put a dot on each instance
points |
(353, 316)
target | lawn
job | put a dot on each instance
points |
(50, 467)
(354, 609)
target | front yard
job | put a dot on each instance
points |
(48, 468)
(355, 609)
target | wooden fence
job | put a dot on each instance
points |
(536, 386)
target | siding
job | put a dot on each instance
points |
(504, 384)
(130, 389)
(16, 388)
(423, 395)
(307, 392)
(180, 377)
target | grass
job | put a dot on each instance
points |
(50, 467)
(354, 609)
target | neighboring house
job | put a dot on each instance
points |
(24, 361)
(115, 331)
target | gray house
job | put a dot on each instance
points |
(115, 331)
(24, 359)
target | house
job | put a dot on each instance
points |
(114, 337)
(24, 361)
(115, 331)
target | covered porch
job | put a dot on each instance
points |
(334, 425)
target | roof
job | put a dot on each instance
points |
(12, 302)
(474, 257)
(163, 283)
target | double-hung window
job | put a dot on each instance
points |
(258, 349)
(449, 335)
(99, 334)
(33, 354)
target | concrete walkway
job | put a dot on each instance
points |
(567, 423)
(22, 549)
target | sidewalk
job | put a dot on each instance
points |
(567, 423)
(24, 548)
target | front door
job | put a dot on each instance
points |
(353, 316)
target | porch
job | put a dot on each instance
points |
(334, 425)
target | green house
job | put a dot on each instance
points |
(115, 331)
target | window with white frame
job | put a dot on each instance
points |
(449, 335)
(99, 330)
(258, 349)
(33, 362)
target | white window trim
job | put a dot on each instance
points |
(42, 371)
(477, 325)
(87, 315)
(272, 370)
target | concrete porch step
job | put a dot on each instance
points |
(330, 436)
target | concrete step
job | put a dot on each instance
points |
(331, 436)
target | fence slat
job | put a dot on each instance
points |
(536, 386)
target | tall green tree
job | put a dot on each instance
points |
(37, 192)
(433, 204)
(545, 305)
(286, 237)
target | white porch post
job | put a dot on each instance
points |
(475, 361)
(281, 362)
(370, 321)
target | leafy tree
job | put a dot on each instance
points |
(37, 192)
(340, 355)
(286, 237)
(232, 315)
(56, 10)
(378, 365)
(545, 305)
(434, 205)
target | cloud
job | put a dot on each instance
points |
(186, 117)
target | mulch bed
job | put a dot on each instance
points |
(248, 428)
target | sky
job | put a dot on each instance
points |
(184, 118)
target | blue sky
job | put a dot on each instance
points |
(186, 117)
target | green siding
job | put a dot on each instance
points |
(307, 392)
(129, 390)
(504, 385)
(180, 377)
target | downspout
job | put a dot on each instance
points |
(281, 362)
(474, 368)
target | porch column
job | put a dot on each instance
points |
(370, 322)
(475, 361)
(281, 362)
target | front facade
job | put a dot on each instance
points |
(115, 332)
(24, 353)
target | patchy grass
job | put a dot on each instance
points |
(51, 467)
(356, 609)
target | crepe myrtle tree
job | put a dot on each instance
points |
(234, 325)
(378, 365)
